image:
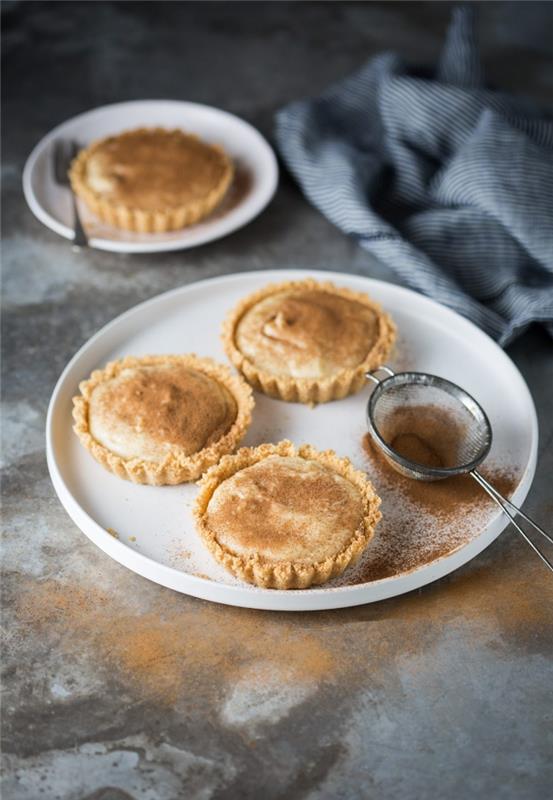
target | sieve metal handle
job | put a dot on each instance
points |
(372, 374)
(505, 505)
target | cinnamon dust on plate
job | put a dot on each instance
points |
(424, 521)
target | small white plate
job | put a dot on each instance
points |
(156, 534)
(254, 185)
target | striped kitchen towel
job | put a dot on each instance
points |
(447, 182)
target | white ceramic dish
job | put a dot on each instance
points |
(156, 533)
(255, 183)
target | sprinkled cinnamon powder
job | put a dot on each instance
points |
(186, 651)
(175, 649)
(324, 509)
(423, 521)
(170, 404)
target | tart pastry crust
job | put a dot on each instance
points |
(261, 565)
(302, 333)
(151, 180)
(163, 462)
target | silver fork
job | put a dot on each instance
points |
(64, 153)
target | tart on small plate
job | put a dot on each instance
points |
(161, 419)
(283, 517)
(151, 180)
(308, 342)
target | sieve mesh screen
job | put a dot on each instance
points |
(427, 424)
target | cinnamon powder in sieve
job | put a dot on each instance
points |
(415, 448)
(427, 435)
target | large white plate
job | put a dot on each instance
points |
(157, 538)
(254, 185)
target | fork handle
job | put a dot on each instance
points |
(80, 239)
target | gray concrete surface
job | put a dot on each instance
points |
(116, 688)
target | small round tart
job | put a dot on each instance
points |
(161, 419)
(151, 180)
(308, 342)
(286, 518)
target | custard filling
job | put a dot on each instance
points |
(149, 412)
(307, 334)
(154, 169)
(285, 508)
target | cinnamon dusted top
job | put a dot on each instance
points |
(155, 169)
(307, 333)
(285, 509)
(147, 412)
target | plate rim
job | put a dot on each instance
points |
(318, 598)
(117, 246)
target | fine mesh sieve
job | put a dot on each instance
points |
(428, 429)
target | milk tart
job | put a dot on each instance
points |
(307, 341)
(151, 180)
(283, 517)
(161, 419)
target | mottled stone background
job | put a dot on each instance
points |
(116, 688)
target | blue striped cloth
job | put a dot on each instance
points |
(447, 182)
